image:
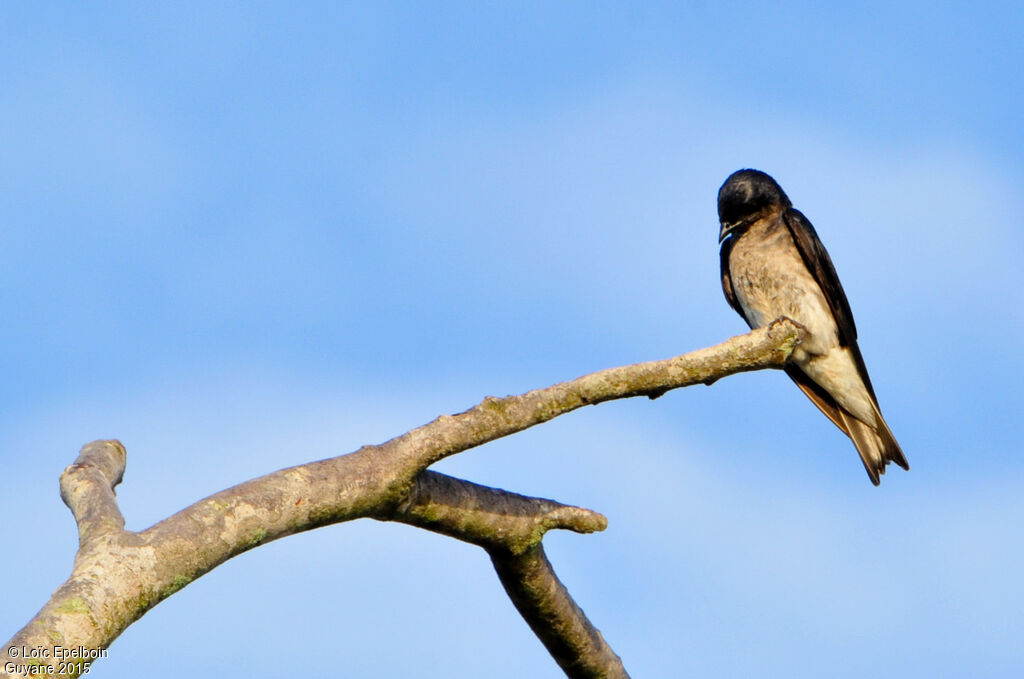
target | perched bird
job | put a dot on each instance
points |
(774, 265)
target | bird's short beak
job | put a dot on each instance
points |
(726, 230)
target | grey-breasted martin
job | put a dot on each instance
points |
(774, 265)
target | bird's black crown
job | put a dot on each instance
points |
(747, 192)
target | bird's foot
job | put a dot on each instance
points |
(786, 319)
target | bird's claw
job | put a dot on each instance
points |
(786, 319)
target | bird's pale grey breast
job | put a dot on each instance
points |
(771, 280)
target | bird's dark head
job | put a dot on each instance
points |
(745, 194)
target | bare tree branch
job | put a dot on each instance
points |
(489, 517)
(118, 575)
(510, 527)
(576, 645)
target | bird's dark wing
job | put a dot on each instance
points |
(820, 265)
(723, 255)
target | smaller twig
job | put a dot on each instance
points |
(87, 488)
(489, 517)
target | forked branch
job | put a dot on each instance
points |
(118, 575)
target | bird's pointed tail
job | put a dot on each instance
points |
(876, 445)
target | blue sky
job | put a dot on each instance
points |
(240, 237)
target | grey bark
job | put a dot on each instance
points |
(118, 575)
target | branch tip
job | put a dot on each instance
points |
(576, 519)
(87, 488)
(109, 457)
